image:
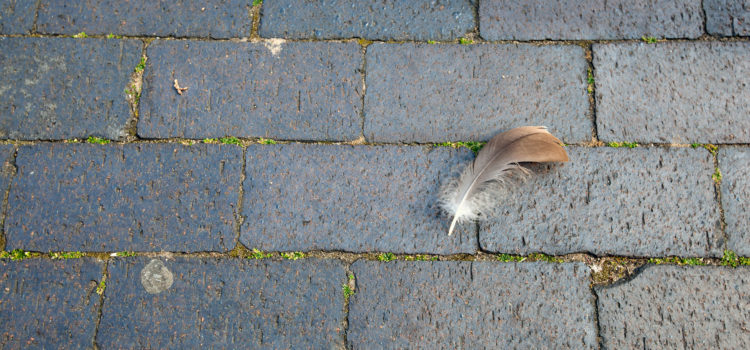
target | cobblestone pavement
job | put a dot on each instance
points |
(238, 174)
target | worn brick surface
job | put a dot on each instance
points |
(735, 196)
(180, 18)
(301, 90)
(589, 20)
(136, 197)
(677, 92)
(225, 303)
(46, 304)
(456, 304)
(16, 16)
(436, 93)
(351, 198)
(671, 307)
(60, 88)
(635, 202)
(384, 20)
(727, 17)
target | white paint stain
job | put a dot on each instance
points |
(274, 45)
(155, 277)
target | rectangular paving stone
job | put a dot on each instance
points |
(471, 305)
(675, 92)
(613, 201)
(62, 88)
(301, 197)
(589, 20)
(177, 18)
(384, 20)
(298, 90)
(223, 303)
(134, 197)
(437, 93)
(49, 304)
(735, 196)
(677, 307)
(727, 17)
(17, 16)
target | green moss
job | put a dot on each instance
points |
(210, 141)
(257, 2)
(677, 261)
(711, 148)
(465, 41)
(695, 145)
(717, 176)
(348, 291)
(230, 140)
(649, 39)
(266, 141)
(509, 258)
(623, 144)
(386, 257)
(80, 35)
(730, 258)
(102, 286)
(17, 254)
(293, 255)
(141, 66)
(125, 254)
(97, 140)
(543, 257)
(472, 145)
(364, 42)
(66, 255)
(258, 254)
(431, 42)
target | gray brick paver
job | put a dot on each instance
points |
(646, 201)
(135, 197)
(47, 304)
(296, 90)
(669, 307)
(382, 20)
(437, 93)
(176, 18)
(351, 198)
(727, 17)
(735, 196)
(457, 304)
(16, 17)
(674, 92)
(225, 303)
(589, 20)
(61, 88)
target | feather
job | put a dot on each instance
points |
(479, 188)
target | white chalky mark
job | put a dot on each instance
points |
(274, 45)
(155, 277)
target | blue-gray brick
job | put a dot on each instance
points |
(385, 20)
(677, 307)
(727, 17)
(676, 92)
(298, 90)
(635, 202)
(436, 93)
(17, 16)
(180, 18)
(351, 198)
(589, 20)
(472, 305)
(46, 304)
(60, 88)
(225, 303)
(135, 197)
(735, 196)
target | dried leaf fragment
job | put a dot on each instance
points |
(179, 89)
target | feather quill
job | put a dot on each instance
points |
(477, 191)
